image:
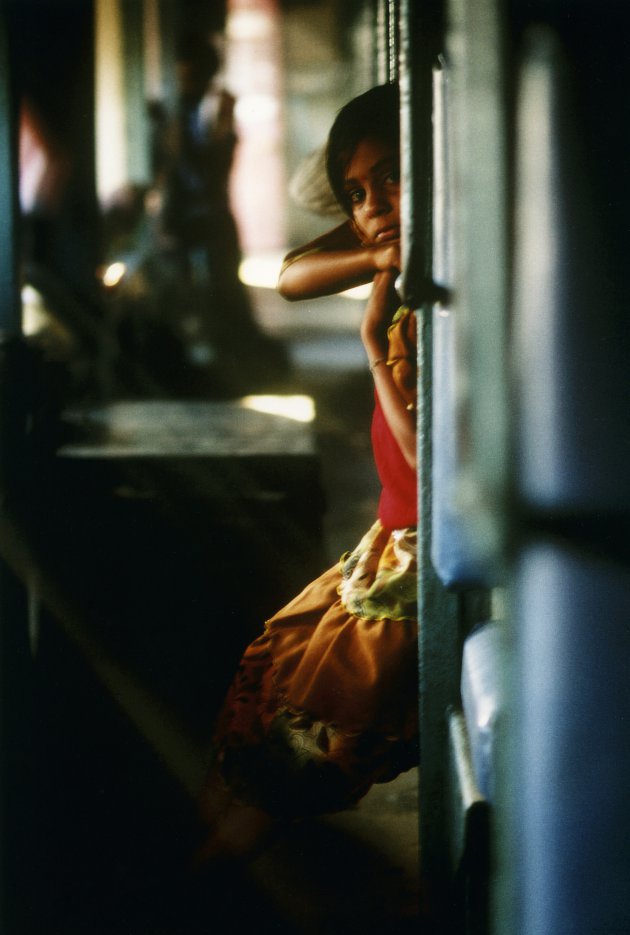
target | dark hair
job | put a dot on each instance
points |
(374, 114)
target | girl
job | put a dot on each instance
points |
(324, 702)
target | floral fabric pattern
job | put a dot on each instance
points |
(379, 576)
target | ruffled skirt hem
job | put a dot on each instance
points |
(324, 702)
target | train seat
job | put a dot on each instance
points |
(473, 764)
(182, 525)
(484, 666)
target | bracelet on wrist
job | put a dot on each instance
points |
(374, 363)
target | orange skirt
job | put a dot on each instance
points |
(324, 703)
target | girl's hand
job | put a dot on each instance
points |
(378, 313)
(387, 257)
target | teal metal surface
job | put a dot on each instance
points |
(9, 303)
(137, 129)
(438, 609)
(478, 168)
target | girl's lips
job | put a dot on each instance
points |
(389, 233)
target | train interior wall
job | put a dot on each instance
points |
(140, 562)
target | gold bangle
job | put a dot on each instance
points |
(375, 363)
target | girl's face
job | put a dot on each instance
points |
(372, 187)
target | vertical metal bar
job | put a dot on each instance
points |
(474, 46)
(15, 732)
(393, 44)
(9, 295)
(418, 53)
(136, 124)
(381, 29)
(168, 21)
(386, 25)
(14, 377)
(439, 645)
(421, 38)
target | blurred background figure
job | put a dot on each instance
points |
(192, 158)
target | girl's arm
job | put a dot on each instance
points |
(376, 320)
(333, 262)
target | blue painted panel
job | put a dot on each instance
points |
(572, 745)
(571, 327)
(459, 552)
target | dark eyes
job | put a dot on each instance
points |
(356, 196)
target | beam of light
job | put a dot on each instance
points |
(361, 293)
(34, 315)
(261, 271)
(298, 408)
(113, 273)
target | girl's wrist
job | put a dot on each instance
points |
(375, 362)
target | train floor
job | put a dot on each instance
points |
(111, 831)
(112, 835)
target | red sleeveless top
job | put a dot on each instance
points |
(398, 504)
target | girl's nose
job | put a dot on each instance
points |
(375, 202)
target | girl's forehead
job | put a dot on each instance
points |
(368, 156)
